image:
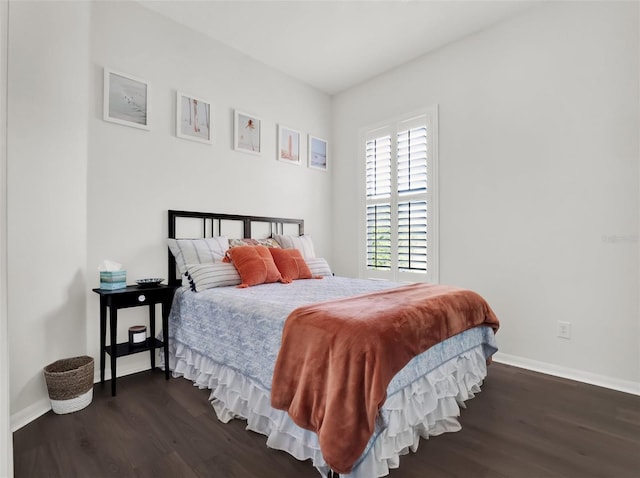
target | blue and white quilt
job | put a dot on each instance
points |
(242, 328)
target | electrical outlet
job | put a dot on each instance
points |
(564, 329)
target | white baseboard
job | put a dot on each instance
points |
(27, 415)
(30, 413)
(123, 370)
(620, 385)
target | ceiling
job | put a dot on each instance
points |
(334, 45)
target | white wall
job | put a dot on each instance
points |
(538, 179)
(538, 162)
(82, 190)
(6, 441)
(134, 176)
(47, 190)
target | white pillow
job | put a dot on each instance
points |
(208, 276)
(198, 251)
(303, 243)
(318, 266)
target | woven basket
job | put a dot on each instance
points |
(70, 384)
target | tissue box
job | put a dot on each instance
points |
(113, 280)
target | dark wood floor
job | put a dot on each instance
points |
(521, 425)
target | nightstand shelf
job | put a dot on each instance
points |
(125, 348)
(133, 296)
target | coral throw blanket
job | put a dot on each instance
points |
(337, 358)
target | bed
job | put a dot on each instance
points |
(229, 339)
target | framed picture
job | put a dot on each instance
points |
(317, 153)
(288, 145)
(193, 118)
(126, 100)
(247, 133)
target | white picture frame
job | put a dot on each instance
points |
(318, 152)
(193, 118)
(247, 133)
(125, 100)
(289, 147)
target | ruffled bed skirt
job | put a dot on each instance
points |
(429, 406)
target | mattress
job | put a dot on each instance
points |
(227, 340)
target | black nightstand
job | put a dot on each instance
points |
(134, 296)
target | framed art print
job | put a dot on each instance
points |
(247, 133)
(193, 118)
(317, 153)
(126, 100)
(288, 145)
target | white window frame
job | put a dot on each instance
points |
(392, 126)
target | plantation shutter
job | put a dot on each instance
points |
(378, 183)
(379, 236)
(412, 236)
(412, 215)
(400, 213)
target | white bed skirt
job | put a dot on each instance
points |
(429, 406)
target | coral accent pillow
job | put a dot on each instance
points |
(254, 264)
(291, 264)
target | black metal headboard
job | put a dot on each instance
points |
(212, 224)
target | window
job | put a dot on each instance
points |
(400, 233)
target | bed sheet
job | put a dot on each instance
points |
(240, 329)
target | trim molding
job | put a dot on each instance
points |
(29, 414)
(32, 412)
(620, 385)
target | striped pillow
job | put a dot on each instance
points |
(303, 243)
(198, 251)
(208, 276)
(319, 266)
